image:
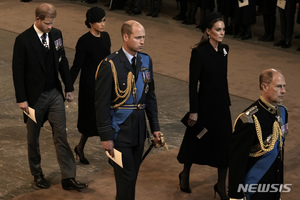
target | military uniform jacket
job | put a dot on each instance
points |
(133, 129)
(29, 68)
(243, 139)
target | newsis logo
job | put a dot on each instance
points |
(252, 188)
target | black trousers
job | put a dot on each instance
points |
(50, 105)
(287, 20)
(126, 177)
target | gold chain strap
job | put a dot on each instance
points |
(266, 147)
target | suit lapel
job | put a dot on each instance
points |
(52, 47)
(125, 61)
(138, 64)
(36, 45)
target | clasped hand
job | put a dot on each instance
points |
(69, 96)
(192, 119)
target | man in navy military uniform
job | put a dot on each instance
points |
(256, 150)
(124, 92)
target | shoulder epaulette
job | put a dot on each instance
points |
(106, 59)
(246, 117)
(112, 55)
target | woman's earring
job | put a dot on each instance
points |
(208, 36)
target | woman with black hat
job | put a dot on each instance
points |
(209, 121)
(91, 48)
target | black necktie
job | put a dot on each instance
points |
(44, 41)
(133, 62)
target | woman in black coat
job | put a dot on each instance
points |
(209, 106)
(91, 48)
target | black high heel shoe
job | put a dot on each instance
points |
(216, 189)
(82, 159)
(184, 184)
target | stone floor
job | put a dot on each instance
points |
(168, 42)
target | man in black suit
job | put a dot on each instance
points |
(124, 92)
(287, 22)
(37, 58)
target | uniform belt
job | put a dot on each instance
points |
(133, 106)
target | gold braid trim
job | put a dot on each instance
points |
(236, 121)
(266, 147)
(96, 74)
(120, 93)
(124, 94)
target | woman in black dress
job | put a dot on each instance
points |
(209, 106)
(91, 48)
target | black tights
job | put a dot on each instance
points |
(222, 172)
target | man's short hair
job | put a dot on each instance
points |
(45, 10)
(267, 76)
(126, 29)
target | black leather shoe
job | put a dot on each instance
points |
(190, 22)
(114, 7)
(239, 35)
(246, 36)
(150, 14)
(298, 49)
(297, 36)
(269, 38)
(155, 14)
(286, 45)
(72, 184)
(135, 12)
(280, 43)
(179, 17)
(89, 1)
(41, 182)
(262, 38)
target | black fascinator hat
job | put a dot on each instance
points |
(94, 14)
(210, 19)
